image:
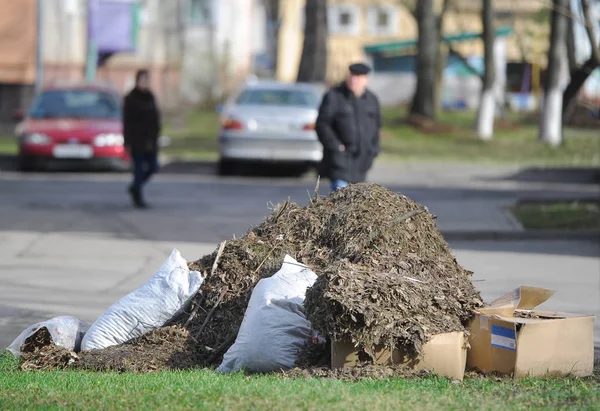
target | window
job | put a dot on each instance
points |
(344, 19)
(267, 97)
(76, 104)
(382, 20)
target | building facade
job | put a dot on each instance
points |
(192, 48)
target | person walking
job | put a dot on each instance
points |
(141, 128)
(348, 126)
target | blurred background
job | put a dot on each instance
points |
(199, 52)
(491, 112)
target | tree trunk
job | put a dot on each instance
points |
(571, 43)
(551, 119)
(272, 9)
(487, 104)
(578, 79)
(423, 103)
(313, 63)
(441, 57)
(579, 75)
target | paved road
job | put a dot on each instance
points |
(70, 244)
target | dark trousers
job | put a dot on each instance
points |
(144, 166)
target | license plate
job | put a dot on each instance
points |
(73, 151)
(274, 127)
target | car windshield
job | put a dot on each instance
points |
(269, 97)
(76, 104)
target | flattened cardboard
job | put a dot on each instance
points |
(548, 343)
(445, 355)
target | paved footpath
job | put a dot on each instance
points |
(70, 244)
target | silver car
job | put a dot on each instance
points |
(270, 122)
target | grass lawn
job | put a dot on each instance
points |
(208, 390)
(8, 144)
(196, 140)
(559, 215)
(518, 145)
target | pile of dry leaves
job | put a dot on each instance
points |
(386, 275)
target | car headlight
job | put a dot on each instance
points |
(38, 139)
(108, 139)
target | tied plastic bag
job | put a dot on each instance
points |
(274, 328)
(162, 297)
(65, 331)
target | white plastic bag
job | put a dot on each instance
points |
(148, 307)
(274, 328)
(66, 332)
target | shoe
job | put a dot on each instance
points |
(136, 197)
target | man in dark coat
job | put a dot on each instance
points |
(141, 128)
(348, 127)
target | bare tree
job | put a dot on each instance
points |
(423, 103)
(579, 74)
(487, 104)
(273, 24)
(430, 55)
(313, 62)
(550, 130)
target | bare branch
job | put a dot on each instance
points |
(589, 28)
(463, 59)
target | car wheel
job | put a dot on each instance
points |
(227, 167)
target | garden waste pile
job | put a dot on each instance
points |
(365, 265)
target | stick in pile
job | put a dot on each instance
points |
(211, 312)
(212, 272)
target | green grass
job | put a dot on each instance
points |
(8, 145)
(196, 140)
(509, 146)
(559, 215)
(205, 389)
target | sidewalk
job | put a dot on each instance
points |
(481, 195)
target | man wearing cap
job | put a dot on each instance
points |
(348, 128)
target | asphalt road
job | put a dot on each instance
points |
(70, 243)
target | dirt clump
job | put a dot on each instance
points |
(386, 273)
(48, 357)
(161, 349)
(39, 339)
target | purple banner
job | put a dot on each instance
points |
(110, 26)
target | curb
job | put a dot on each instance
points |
(544, 235)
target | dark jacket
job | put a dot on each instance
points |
(354, 123)
(141, 121)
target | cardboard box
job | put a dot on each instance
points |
(508, 336)
(444, 354)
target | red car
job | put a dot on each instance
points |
(77, 123)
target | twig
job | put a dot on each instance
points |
(211, 312)
(216, 262)
(212, 272)
(408, 215)
(317, 187)
(265, 259)
(310, 200)
(193, 314)
(226, 344)
(285, 205)
(414, 279)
